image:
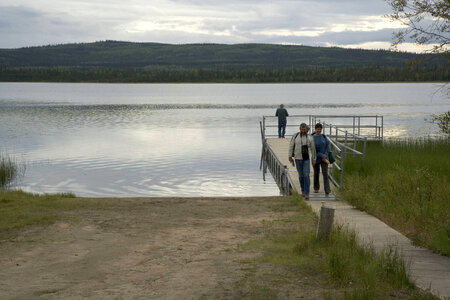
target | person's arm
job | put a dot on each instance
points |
(324, 154)
(318, 154)
(327, 146)
(287, 115)
(276, 113)
(291, 148)
(313, 151)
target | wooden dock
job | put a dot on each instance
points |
(430, 271)
(280, 148)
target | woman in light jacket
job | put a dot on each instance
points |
(303, 150)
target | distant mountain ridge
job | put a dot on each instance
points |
(155, 56)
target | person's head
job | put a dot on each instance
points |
(318, 128)
(304, 128)
(281, 105)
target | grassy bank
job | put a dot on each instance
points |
(283, 262)
(20, 210)
(406, 184)
(290, 250)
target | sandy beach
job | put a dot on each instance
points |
(140, 248)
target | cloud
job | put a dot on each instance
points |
(22, 26)
(308, 22)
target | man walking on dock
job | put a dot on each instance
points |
(281, 114)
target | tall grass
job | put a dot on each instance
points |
(9, 170)
(406, 184)
(354, 271)
(351, 265)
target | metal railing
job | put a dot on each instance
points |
(342, 143)
(343, 138)
(279, 171)
(371, 126)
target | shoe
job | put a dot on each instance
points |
(316, 191)
(306, 197)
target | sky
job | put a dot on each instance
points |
(342, 23)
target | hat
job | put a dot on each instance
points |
(303, 125)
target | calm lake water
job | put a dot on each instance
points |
(178, 139)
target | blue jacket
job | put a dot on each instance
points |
(321, 146)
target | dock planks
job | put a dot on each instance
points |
(281, 148)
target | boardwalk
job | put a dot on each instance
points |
(281, 147)
(430, 271)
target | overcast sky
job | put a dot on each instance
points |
(343, 23)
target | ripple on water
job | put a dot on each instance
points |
(159, 145)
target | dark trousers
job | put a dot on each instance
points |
(281, 127)
(326, 181)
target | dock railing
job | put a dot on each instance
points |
(370, 126)
(279, 171)
(348, 135)
(343, 143)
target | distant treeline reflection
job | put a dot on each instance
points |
(305, 74)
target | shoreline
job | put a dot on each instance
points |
(226, 82)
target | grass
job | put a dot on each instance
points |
(9, 170)
(289, 254)
(20, 210)
(349, 270)
(405, 184)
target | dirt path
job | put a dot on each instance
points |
(168, 248)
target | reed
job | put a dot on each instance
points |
(9, 170)
(405, 183)
(349, 269)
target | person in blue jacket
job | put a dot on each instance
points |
(322, 149)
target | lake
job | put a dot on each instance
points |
(120, 140)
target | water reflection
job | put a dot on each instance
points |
(148, 161)
(175, 140)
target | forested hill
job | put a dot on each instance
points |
(154, 56)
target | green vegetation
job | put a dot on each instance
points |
(304, 74)
(414, 16)
(122, 55)
(20, 210)
(9, 170)
(349, 270)
(287, 254)
(112, 61)
(443, 122)
(405, 184)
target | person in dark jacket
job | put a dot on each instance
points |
(322, 149)
(281, 113)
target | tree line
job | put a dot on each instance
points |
(304, 74)
(126, 55)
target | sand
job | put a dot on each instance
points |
(140, 248)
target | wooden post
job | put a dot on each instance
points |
(286, 178)
(325, 222)
(364, 150)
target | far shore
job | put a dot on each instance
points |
(225, 82)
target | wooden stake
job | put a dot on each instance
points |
(325, 222)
